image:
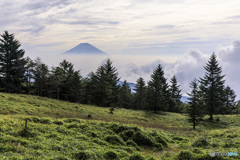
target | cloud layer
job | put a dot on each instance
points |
(122, 26)
(191, 66)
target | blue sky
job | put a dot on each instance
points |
(137, 34)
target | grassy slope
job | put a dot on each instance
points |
(58, 129)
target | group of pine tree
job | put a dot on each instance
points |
(102, 87)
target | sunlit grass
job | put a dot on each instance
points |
(59, 129)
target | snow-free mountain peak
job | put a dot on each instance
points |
(85, 48)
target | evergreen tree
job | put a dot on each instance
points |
(176, 96)
(66, 72)
(140, 95)
(157, 93)
(105, 85)
(87, 89)
(125, 96)
(112, 86)
(29, 74)
(11, 63)
(238, 107)
(75, 87)
(40, 74)
(229, 106)
(195, 109)
(66, 82)
(212, 86)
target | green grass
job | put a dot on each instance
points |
(62, 130)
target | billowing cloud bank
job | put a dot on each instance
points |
(191, 66)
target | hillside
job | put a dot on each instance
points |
(62, 130)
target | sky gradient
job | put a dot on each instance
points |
(137, 34)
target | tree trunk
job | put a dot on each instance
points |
(211, 117)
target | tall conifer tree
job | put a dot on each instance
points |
(229, 106)
(157, 92)
(140, 95)
(105, 85)
(11, 63)
(195, 108)
(176, 96)
(212, 86)
(125, 96)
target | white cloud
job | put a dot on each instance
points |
(229, 59)
(118, 25)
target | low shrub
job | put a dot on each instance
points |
(100, 142)
(129, 133)
(85, 155)
(45, 121)
(197, 151)
(117, 128)
(115, 140)
(208, 157)
(70, 120)
(27, 133)
(35, 119)
(185, 155)
(133, 144)
(200, 143)
(158, 146)
(58, 122)
(142, 139)
(109, 155)
(75, 125)
(136, 157)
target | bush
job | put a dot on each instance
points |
(27, 133)
(185, 155)
(100, 142)
(75, 125)
(111, 110)
(178, 138)
(208, 157)
(129, 133)
(159, 146)
(133, 144)
(198, 151)
(115, 140)
(70, 120)
(110, 155)
(136, 157)
(92, 134)
(58, 122)
(45, 121)
(120, 128)
(85, 155)
(161, 140)
(200, 143)
(142, 139)
(36, 119)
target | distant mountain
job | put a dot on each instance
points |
(131, 85)
(184, 99)
(85, 48)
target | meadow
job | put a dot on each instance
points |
(63, 130)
